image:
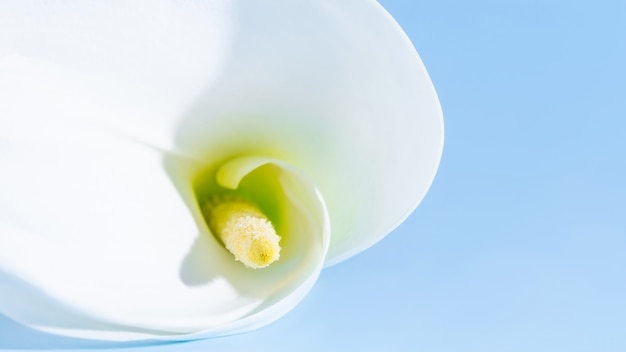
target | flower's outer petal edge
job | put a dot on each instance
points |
(356, 109)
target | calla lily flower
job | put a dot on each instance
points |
(120, 121)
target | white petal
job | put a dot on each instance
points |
(333, 88)
(106, 241)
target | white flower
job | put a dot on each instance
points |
(119, 120)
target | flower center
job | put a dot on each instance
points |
(244, 230)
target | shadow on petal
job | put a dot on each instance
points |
(194, 270)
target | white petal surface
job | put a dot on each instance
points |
(142, 63)
(115, 250)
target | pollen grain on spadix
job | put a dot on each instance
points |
(244, 230)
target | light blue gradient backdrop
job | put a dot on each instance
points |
(521, 243)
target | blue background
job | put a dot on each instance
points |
(520, 245)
